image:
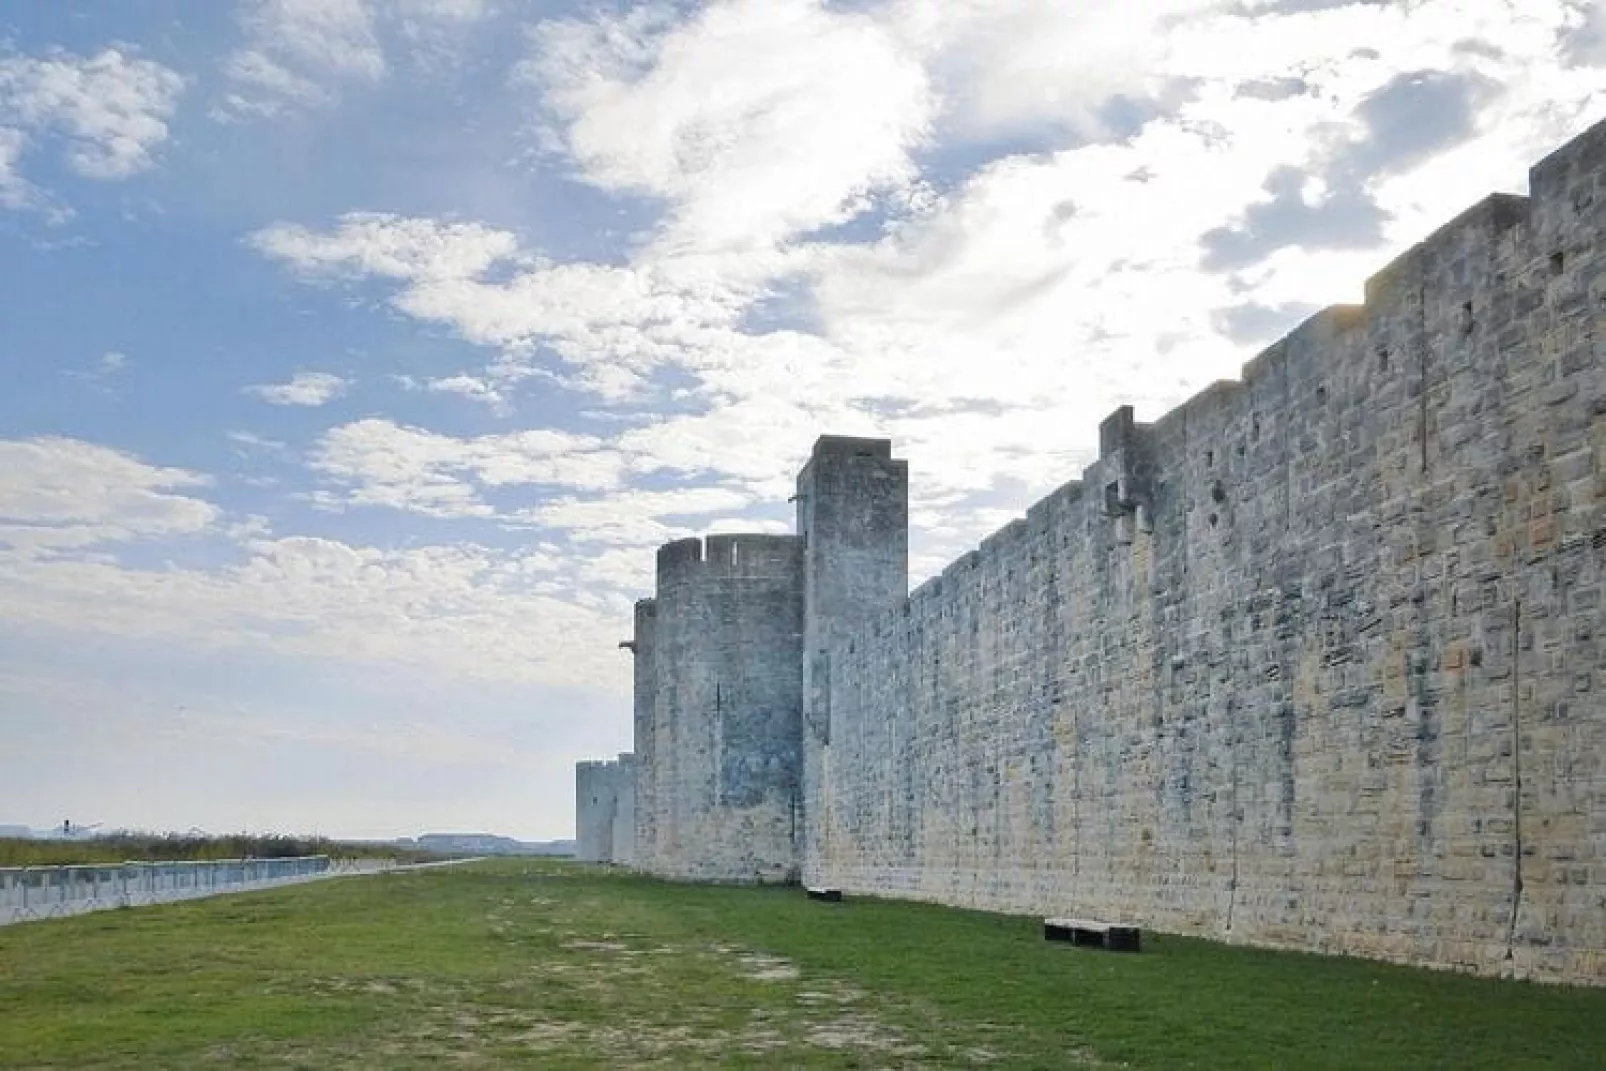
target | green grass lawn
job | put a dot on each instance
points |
(554, 965)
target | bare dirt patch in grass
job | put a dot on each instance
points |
(860, 1033)
(762, 968)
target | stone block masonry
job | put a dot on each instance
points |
(1314, 661)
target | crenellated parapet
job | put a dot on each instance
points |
(746, 556)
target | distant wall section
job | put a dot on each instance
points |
(595, 807)
(605, 811)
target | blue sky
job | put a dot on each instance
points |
(355, 355)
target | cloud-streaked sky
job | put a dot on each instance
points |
(356, 354)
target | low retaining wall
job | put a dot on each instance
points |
(42, 892)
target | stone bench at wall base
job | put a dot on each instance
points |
(832, 896)
(1107, 935)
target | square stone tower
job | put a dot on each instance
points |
(853, 518)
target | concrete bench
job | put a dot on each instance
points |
(833, 896)
(1108, 935)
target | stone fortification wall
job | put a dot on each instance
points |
(726, 709)
(1314, 661)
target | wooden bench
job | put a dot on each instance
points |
(833, 896)
(1108, 935)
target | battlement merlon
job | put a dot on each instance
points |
(732, 556)
(1567, 191)
(1125, 449)
(837, 454)
(754, 555)
(677, 559)
(852, 445)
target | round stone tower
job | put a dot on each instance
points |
(727, 709)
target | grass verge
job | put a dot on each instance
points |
(547, 964)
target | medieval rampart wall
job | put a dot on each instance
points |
(1314, 661)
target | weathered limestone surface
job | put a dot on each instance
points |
(1314, 661)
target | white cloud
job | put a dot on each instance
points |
(108, 113)
(380, 463)
(640, 519)
(297, 53)
(61, 493)
(756, 119)
(1040, 67)
(15, 191)
(68, 508)
(305, 388)
(612, 323)
(446, 11)
(252, 442)
(376, 243)
(301, 54)
(576, 485)
(105, 369)
(461, 610)
(483, 389)
(436, 30)
(1007, 305)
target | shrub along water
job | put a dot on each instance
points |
(119, 847)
